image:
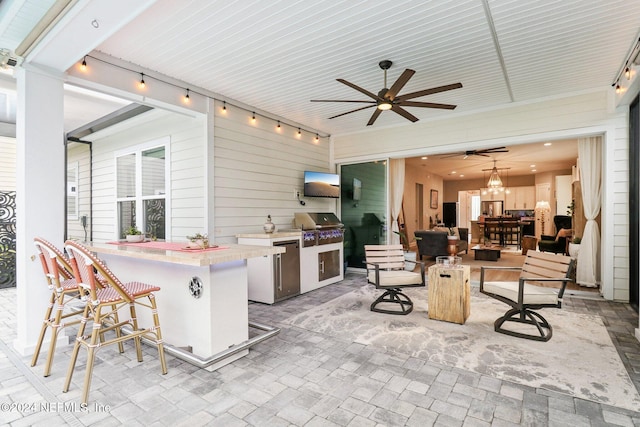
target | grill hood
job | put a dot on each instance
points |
(316, 221)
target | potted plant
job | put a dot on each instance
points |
(133, 235)
(198, 240)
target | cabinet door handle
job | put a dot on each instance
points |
(321, 266)
(279, 271)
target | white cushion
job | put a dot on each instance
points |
(532, 294)
(391, 278)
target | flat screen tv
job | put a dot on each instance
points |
(321, 184)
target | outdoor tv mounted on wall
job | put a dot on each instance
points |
(321, 184)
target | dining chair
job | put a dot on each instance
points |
(102, 305)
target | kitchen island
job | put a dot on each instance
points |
(203, 301)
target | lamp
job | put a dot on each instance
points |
(495, 183)
(542, 207)
(384, 105)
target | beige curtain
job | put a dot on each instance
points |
(590, 155)
(396, 186)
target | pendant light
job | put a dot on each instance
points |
(495, 183)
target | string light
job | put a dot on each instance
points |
(627, 69)
(187, 98)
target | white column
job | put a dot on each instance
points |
(39, 194)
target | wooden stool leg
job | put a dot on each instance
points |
(43, 331)
(156, 327)
(76, 349)
(91, 354)
(134, 322)
(55, 329)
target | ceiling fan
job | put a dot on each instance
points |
(485, 152)
(388, 99)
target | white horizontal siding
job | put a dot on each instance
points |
(257, 169)
(187, 139)
(80, 153)
(7, 163)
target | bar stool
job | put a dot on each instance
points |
(116, 296)
(64, 293)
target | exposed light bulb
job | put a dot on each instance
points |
(317, 137)
(278, 128)
(142, 84)
(627, 73)
(618, 89)
(224, 106)
(83, 67)
(299, 133)
(253, 117)
(186, 98)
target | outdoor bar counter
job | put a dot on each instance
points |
(203, 301)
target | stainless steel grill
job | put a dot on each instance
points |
(319, 228)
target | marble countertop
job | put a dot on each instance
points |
(226, 253)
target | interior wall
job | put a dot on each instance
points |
(429, 181)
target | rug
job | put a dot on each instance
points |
(598, 375)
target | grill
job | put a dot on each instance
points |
(319, 228)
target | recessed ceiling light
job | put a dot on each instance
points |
(532, 166)
(547, 144)
(424, 157)
(461, 175)
(453, 172)
(533, 170)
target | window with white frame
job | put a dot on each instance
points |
(141, 187)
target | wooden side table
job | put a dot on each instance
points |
(449, 293)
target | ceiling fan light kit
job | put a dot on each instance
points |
(388, 99)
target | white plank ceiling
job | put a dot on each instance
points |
(277, 55)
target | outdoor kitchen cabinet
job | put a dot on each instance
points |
(276, 277)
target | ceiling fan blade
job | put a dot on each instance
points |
(494, 150)
(339, 100)
(374, 117)
(359, 89)
(352, 111)
(404, 113)
(429, 91)
(399, 84)
(427, 105)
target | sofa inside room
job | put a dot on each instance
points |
(433, 243)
